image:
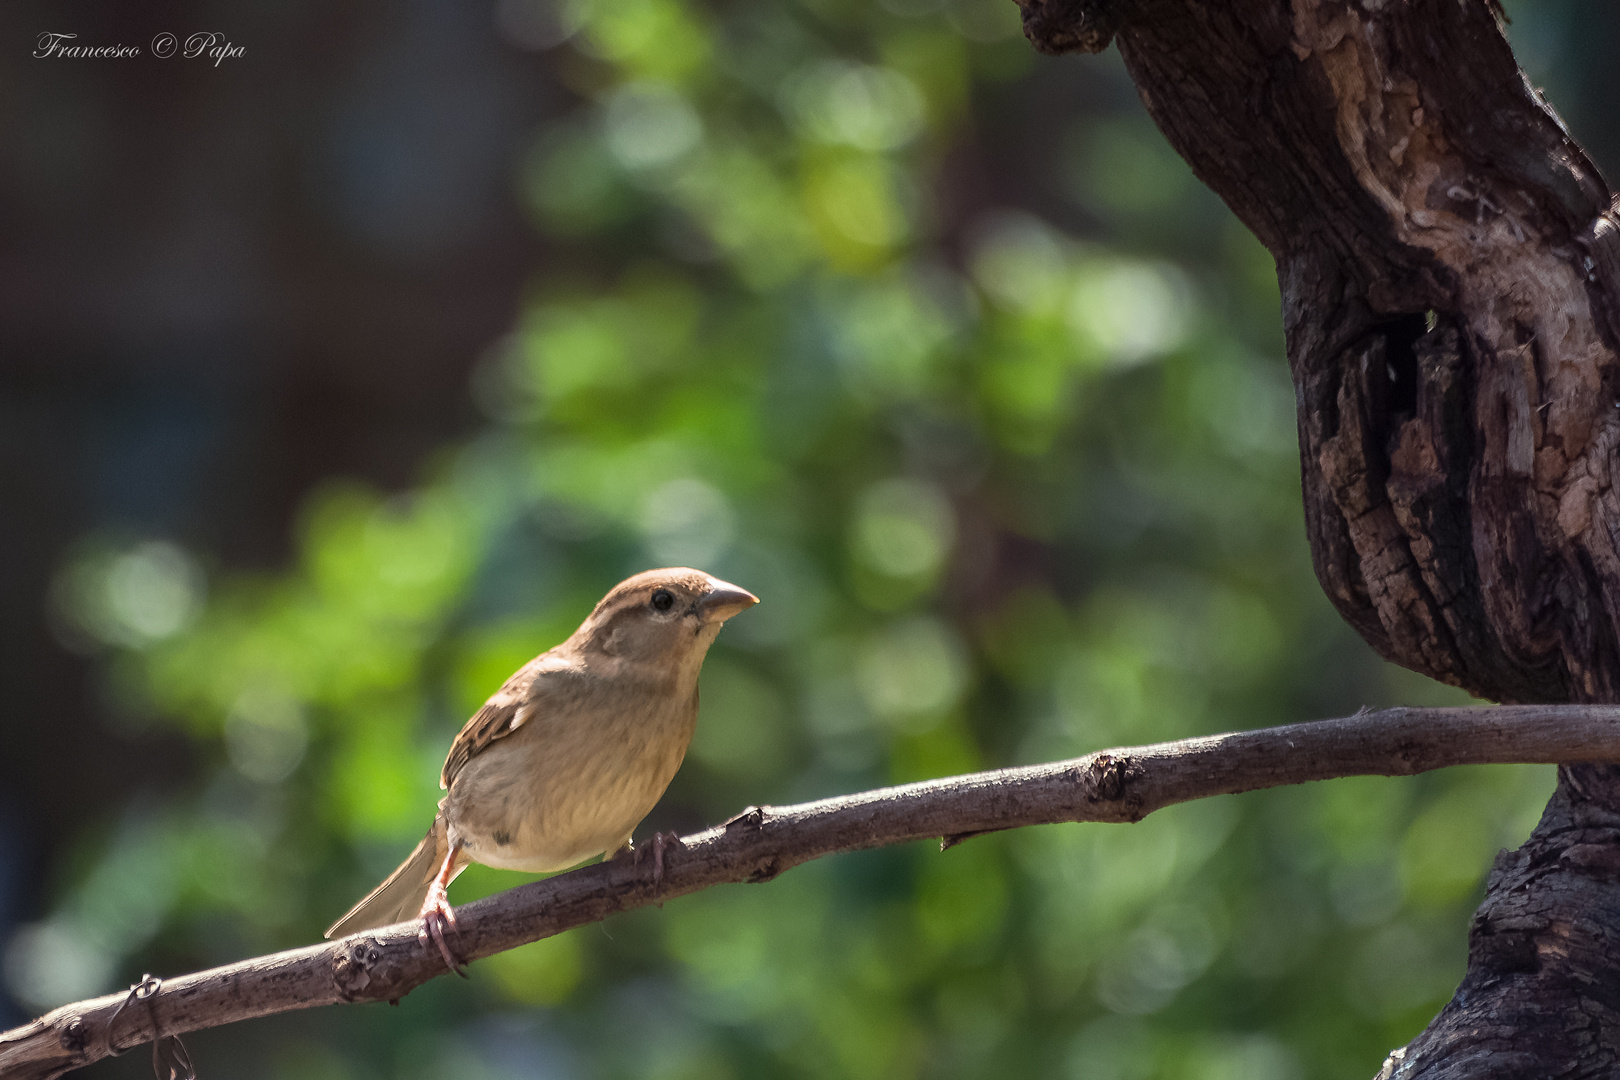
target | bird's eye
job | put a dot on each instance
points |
(663, 600)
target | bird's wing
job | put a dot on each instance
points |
(508, 709)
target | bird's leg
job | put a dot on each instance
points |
(661, 842)
(437, 914)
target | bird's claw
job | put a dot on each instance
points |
(662, 842)
(437, 915)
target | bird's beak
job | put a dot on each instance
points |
(723, 600)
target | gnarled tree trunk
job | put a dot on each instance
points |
(1449, 267)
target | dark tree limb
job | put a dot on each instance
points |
(1111, 786)
(1405, 176)
(1450, 273)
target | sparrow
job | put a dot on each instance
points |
(567, 757)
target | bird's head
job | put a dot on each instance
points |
(668, 616)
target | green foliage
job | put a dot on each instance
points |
(1007, 494)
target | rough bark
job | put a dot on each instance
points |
(1112, 786)
(1448, 265)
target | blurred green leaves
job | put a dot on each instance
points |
(1011, 487)
(126, 596)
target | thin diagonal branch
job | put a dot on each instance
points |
(1120, 785)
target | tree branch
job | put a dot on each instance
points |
(1122, 785)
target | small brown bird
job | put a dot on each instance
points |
(566, 759)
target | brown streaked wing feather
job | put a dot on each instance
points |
(505, 712)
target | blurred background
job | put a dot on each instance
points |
(339, 378)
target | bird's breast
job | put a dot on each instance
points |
(576, 779)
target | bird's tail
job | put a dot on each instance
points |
(400, 896)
